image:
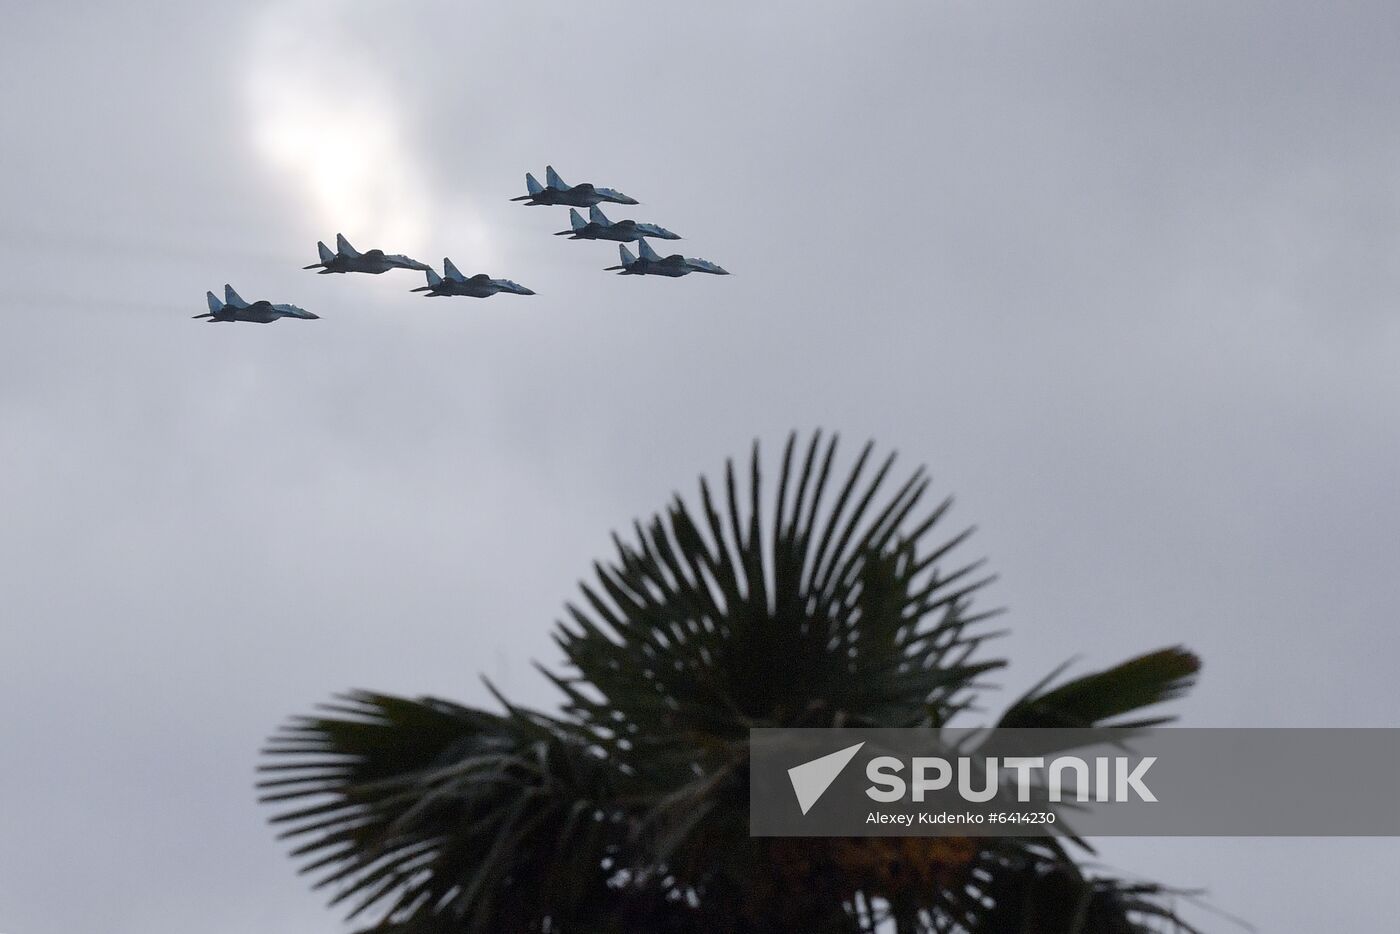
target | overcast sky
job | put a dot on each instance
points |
(1124, 276)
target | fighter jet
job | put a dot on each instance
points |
(598, 227)
(651, 264)
(233, 308)
(452, 282)
(349, 259)
(557, 191)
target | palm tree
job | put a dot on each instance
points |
(627, 809)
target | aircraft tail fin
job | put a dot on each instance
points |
(532, 184)
(215, 306)
(598, 217)
(552, 178)
(576, 219)
(646, 251)
(325, 251)
(450, 271)
(627, 258)
(232, 298)
(434, 280)
(344, 246)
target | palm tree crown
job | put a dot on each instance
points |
(627, 810)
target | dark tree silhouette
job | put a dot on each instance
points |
(627, 810)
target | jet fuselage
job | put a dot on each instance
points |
(620, 232)
(373, 262)
(579, 196)
(478, 286)
(260, 312)
(672, 266)
(469, 288)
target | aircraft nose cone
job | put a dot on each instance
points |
(626, 200)
(313, 316)
(527, 291)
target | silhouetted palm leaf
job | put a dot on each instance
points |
(443, 814)
(1097, 699)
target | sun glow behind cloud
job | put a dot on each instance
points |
(325, 117)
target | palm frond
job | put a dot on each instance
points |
(711, 621)
(1096, 699)
(433, 813)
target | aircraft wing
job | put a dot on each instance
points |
(407, 262)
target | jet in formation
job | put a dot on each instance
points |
(348, 259)
(234, 308)
(598, 227)
(452, 282)
(650, 263)
(345, 258)
(557, 191)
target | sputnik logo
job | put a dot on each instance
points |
(810, 780)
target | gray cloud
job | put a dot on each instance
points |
(1122, 276)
